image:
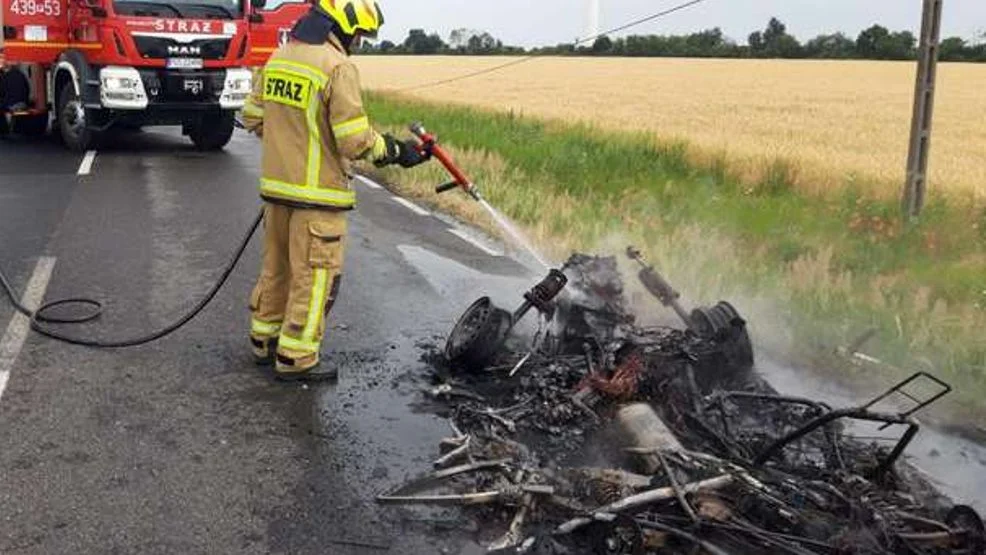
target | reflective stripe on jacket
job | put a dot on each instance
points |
(307, 105)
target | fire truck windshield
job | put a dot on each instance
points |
(190, 9)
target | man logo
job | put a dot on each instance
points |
(283, 36)
(184, 50)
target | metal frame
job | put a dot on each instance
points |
(852, 414)
(718, 399)
(899, 388)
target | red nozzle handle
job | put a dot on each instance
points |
(446, 187)
(430, 143)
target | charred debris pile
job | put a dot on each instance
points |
(600, 436)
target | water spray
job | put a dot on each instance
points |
(429, 144)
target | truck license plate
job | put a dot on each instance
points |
(194, 86)
(184, 63)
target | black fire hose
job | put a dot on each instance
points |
(38, 317)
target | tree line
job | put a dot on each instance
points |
(875, 43)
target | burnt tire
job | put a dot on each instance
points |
(723, 325)
(71, 122)
(477, 336)
(214, 131)
(965, 518)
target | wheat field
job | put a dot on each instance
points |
(833, 122)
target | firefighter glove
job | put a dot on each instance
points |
(403, 153)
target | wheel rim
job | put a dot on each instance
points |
(468, 327)
(74, 118)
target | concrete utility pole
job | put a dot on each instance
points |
(924, 104)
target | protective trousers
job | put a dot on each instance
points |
(302, 266)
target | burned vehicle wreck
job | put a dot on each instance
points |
(594, 434)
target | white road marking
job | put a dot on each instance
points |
(411, 206)
(86, 166)
(369, 182)
(474, 242)
(20, 325)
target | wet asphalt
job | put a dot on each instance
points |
(183, 446)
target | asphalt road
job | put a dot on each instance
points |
(182, 446)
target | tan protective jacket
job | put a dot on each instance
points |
(307, 106)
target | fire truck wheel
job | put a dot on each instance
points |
(72, 121)
(213, 132)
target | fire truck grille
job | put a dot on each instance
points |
(161, 48)
(183, 86)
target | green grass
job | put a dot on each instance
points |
(832, 266)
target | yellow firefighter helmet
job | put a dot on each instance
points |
(354, 16)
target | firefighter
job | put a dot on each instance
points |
(14, 93)
(306, 106)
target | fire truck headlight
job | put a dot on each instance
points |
(238, 81)
(239, 85)
(236, 89)
(122, 88)
(119, 83)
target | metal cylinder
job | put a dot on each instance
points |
(549, 288)
(644, 430)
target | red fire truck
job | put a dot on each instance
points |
(97, 64)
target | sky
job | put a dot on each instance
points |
(539, 22)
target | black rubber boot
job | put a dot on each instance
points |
(286, 372)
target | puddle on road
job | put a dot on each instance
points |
(376, 439)
(454, 280)
(371, 433)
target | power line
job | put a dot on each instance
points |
(643, 20)
(526, 59)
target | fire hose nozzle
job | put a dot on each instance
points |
(418, 129)
(429, 143)
(446, 187)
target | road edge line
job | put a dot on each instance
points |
(369, 182)
(411, 206)
(17, 330)
(474, 242)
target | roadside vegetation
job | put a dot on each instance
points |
(810, 270)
